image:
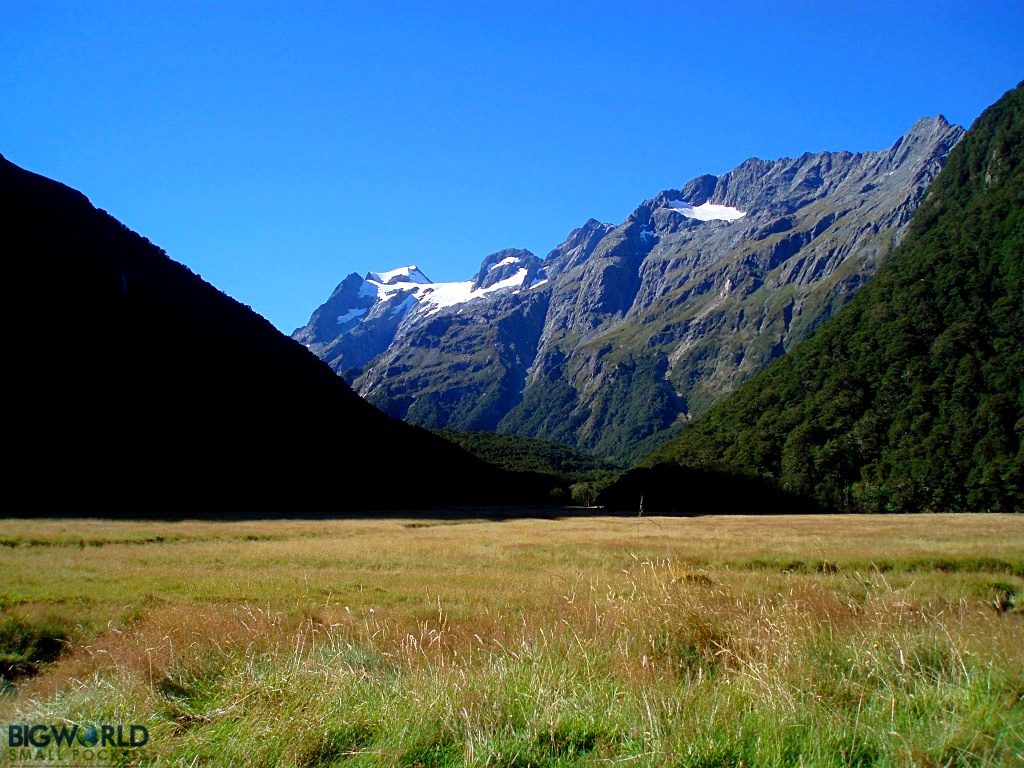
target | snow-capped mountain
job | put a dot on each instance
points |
(623, 332)
(365, 314)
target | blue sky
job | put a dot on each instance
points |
(276, 147)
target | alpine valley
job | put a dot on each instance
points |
(624, 333)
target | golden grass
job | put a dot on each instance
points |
(392, 561)
(700, 641)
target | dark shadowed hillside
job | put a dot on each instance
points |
(136, 388)
(911, 398)
(676, 490)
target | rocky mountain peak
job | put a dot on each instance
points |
(505, 264)
(929, 125)
(577, 247)
(410, 274)
(349, 301)
(699, 190)
(923, 136)
(350, 284)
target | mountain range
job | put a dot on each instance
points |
(624, 333)
(137, 389)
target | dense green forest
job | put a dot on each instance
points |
(580, 476)
(910, 398)
(528, 454)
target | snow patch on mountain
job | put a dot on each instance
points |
(352, 314)
(438, 296)
(410, 274)
(422, 296)
(505, 262)
(706, 211)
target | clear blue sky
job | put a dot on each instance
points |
(276, 147)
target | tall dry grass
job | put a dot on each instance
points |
(609, 658)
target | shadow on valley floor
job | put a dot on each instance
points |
(415, 517)
(677, 490)
(666, 490)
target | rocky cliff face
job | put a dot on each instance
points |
(624, 331)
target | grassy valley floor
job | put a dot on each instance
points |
(714, 641)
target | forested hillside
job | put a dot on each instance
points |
(528, 454)
(911, 397)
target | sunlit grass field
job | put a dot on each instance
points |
(713, 641)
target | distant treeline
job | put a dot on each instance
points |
(579, 476)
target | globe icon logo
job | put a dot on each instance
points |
(89, 736)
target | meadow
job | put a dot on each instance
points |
(708, 641)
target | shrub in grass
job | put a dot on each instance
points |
(25, 645)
